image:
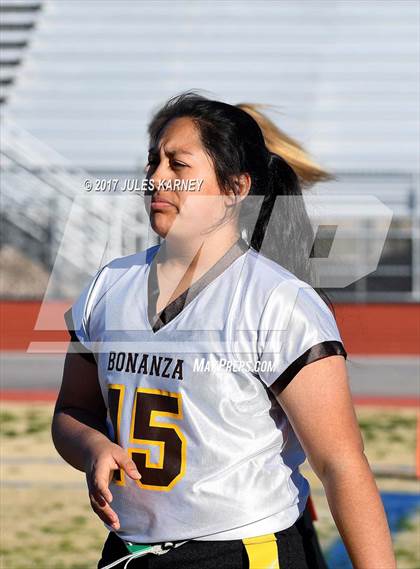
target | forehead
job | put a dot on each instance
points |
(181, 134)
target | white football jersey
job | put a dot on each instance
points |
(191, 392)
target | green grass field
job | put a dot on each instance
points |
(47, 523)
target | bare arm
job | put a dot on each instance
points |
(319, 406)
(80, 414)
(80, 435)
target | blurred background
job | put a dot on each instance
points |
(79, 82)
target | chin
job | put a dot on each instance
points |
(160, 224)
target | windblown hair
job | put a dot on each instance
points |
(235, 143)
(277, 141)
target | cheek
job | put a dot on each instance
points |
(203, 171)
(205, 202)
(202, 210)
(209, 186)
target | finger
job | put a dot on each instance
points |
(99, 484)
(105, 513)
(99, 499)
(128, 466)
(107, 518)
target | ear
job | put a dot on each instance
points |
(242, 185)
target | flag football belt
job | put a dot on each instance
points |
(139, 549)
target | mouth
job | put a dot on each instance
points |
(159, 203)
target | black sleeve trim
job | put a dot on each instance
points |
(75, 342)
(317, 352)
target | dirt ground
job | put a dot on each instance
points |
(47, 523)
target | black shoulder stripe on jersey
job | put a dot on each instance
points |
(317, 352)
(76, 343)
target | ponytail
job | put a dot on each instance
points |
(290, 240)
(277, 141)
(290, 169)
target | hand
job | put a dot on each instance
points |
(103, 459)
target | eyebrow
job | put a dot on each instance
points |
(171, 152)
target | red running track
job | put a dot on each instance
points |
(366, 329)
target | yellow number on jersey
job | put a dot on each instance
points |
(147, 429)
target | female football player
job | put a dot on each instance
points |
(205, 370)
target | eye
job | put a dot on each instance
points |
(177, 165)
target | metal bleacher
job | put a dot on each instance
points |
(44, 197)
(17, 23)
(39, 187)
(46, 209)
(83, 77)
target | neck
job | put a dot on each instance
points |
(199, 253)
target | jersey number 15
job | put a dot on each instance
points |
(145, 429)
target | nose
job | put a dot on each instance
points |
(161, 175)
